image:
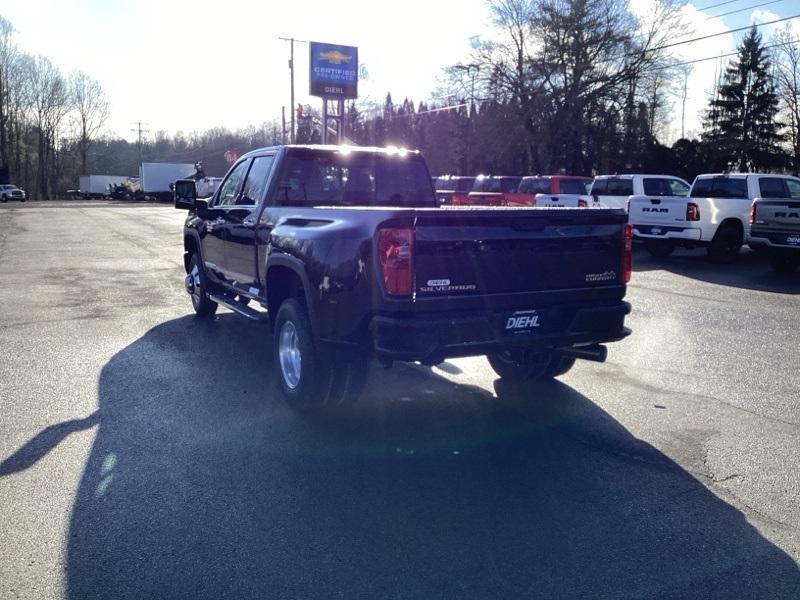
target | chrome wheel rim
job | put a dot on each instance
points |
(195, 293)
(289, 354)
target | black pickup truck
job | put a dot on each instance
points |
(346, 251)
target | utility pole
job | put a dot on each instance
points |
(472, 70)
(291, 41)
(283, 121)
(140, 132)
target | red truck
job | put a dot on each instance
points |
(492, 190)
(529, 187)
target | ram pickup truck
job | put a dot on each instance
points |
(552, 190)
(775, 227)
(613, 191)
(715, 215)
(346, 252)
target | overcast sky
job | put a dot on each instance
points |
(194, 65)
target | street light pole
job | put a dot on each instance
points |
(291, 41)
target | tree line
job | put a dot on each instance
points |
(572, 86)
(584, 87)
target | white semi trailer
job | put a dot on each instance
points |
(156, 178)
(97, 186)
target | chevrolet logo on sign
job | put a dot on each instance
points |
(335, 57)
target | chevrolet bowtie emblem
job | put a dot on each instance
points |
(335, 57)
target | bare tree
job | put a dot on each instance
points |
(90, 111)
(50, 106)
(7, 56)
(787, 83)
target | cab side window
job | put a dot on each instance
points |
(793, 187)
(230, 187)
(677, 188)
(256, 182)
(772, 187)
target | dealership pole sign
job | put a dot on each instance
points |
(334, 71)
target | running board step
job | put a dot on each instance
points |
(239, 308)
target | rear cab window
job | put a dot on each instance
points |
(309, 178)
(572, 186)
(719, 187)
(486, 184)
(655, 187)
(509, 185)
(619, 187)
(535, 185)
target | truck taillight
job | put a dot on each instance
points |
(752, 213)
(395, 251)
(692, 212)
(582, 203)
(627, 253)
(460, 199)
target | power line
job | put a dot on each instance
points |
(733, 12)
(711, 35)
(729, 54)
(716, 5)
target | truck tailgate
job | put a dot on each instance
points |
(468, 252)
(781, 215)
(657, 211)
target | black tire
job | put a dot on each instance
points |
(659, 248)
(725, 246)
(3, 199)
(202, 304)
(783, 262)
(22, 199)
(312, 380)
(516, 369)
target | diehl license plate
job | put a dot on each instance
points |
(655, 230)
(522, 321)
(793, 240)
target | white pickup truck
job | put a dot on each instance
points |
(613, 191)
(715, 215)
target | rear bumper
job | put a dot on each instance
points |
(666, 232)
(775, 239)
(433, 340)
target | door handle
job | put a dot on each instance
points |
(216, 224)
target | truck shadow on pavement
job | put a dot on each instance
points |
(201, 484)
(750, 271)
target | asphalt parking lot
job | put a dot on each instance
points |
(146, 454)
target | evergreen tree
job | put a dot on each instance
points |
(740, 125)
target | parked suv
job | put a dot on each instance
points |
(11, 192)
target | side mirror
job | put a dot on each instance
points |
(185, 194)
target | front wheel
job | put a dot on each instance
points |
(197, 286)
(308, 378)
(517, 368)
(659, 248)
